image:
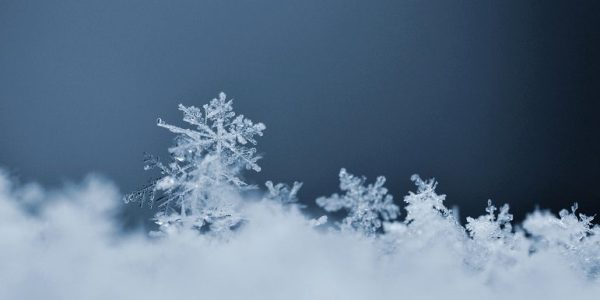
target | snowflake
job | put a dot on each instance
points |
(195, 189)
(219, 132)
(490, 226)
(573, 235)
(428, 222)
(494, 245)
(425, 203)
(367, 205)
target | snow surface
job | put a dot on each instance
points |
(65, 244)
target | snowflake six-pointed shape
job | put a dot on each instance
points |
(367, 205)
(218, 132)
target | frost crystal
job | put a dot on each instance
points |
(572, 235)
(428, 222)
(489, 227)
(366, 205)
(197, 189)
(283, 193)
(494, 243)
(425, 204)
(218, 132)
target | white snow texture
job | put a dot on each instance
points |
(217, 241)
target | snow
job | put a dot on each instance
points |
(71, 248)
(216, 241)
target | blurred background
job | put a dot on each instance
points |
(495, 99)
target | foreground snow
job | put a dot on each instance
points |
(64, 244)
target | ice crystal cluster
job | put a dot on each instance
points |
(200, 187)
(217, 239)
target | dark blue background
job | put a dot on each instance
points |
(495, 99)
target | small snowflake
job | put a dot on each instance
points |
(367, 205)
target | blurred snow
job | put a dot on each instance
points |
(65, 244)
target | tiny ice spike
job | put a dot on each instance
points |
(283, 193)
(367, 205)
(196, 188)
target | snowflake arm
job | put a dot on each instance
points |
(282, 192)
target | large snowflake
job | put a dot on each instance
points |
(206, 164)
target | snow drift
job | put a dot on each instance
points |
(65, 244)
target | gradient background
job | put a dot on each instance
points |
(495, 99)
